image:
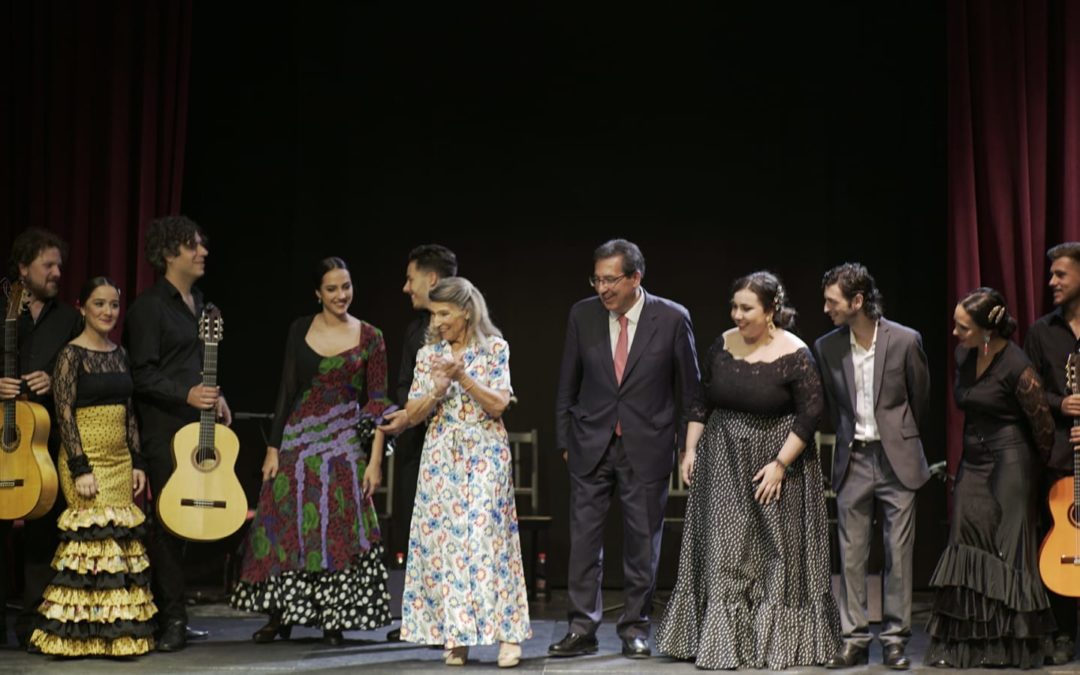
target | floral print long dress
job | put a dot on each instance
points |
(464, 583)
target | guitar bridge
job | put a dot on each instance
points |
(11, 483)
(203, 503)
(1070, 560)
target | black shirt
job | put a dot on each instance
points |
(39, 342)
(162, 339)
(410, 442)
(1049, 342)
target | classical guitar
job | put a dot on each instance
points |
(27, 473)
(1059, 555)
(203, 499)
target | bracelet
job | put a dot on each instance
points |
(781, 463)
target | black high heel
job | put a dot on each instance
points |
(334, 638)
(271, 630)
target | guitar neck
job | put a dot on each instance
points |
(11, 369)
(208, 418)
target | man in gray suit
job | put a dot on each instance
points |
(629, 374)
(878, 389)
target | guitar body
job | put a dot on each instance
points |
(203, 500)
(27, 475)
(1059, 548)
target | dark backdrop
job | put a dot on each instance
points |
(722, 138)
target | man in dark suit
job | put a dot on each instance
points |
(629, 373)
(878, 390)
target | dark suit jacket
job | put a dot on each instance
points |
(901, 398)
(660, 383)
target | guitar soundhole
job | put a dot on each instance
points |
(1073, 520)
(205, 459)
(11, 438)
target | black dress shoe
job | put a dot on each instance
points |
(941, 663)
(574, 644)
(271, 630)
(636, 648)
(893, 657)
(849, 655)
(394, 635)
(334, 638)
(1063, 651)
(195, 633)
(174, 637)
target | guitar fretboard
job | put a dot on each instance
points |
(208, 418)
(10, 370)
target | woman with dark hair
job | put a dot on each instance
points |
(753, 587)
(990, 608)
(464, 583)
(314, 551)
(99, 602)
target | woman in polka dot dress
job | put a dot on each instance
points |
(753, 588)
(314, 550)
(99, 602)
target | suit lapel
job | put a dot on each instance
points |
(603, 338)
(880, 350)
(646, 328)
(847, 364)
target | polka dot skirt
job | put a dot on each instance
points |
(753, 588)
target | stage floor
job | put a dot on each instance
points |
(229, 650)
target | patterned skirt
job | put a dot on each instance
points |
(753, 588)
(99, 602)
(314, 551)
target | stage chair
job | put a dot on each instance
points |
(525, 452)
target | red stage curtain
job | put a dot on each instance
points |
(1013, 154)
(93, 129)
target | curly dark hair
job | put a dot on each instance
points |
(632, 258)
(29, 245)
(435, 258)
(771, 293)
(986, 307)
(855, 279)
(165, 237)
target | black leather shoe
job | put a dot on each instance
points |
(394, 635)
(195, 633)
(941, 663)
(849, 655)
(636, 648)
(334, 638)
(173, 638)
(893, 657)
(271, 630)
(574, 644)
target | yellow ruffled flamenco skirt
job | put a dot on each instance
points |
(99, 602)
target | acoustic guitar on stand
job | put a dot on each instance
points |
(1059, 555)
(27, 475)
(203, 500)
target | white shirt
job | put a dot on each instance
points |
(632, 316)
(863, 360)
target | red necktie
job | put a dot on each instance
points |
(620, 358)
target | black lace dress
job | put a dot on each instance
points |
(990, 608)
(753, 588)
(99, 602)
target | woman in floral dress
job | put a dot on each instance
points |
(314, 553)
(464, 583)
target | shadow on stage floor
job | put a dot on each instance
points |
(229, 650)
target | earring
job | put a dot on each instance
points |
(772, 326)
(986, 344)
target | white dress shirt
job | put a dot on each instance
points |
(863, 360)
(632, 316)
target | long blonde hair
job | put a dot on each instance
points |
(460, 292)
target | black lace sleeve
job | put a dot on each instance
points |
(133, 444)
(1029, 392)
(699, 410)
(289, 386)
(807, 393)
(65, 386)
